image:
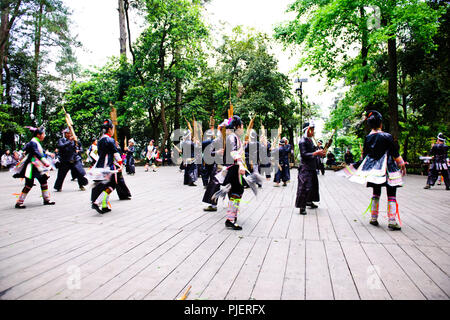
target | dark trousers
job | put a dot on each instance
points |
(308, 187)
(78, 172)
(266, 169)
(102, 186)
(42, 178)
(116, 182)
(282, 174)
(434, 174)
(322, 168)
(208, 172)
(391, 191)
(130, 165)
(212, 187)
(233, 178)
(190, 173)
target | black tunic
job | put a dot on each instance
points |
(191, 170)
(70, 160)
(283, 173)
(213, 184)
(308, 184)
(130, 160)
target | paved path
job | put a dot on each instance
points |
(161, 242)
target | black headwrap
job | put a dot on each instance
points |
(107, 124)
(234, 122)
(374, 119)
(36, 131)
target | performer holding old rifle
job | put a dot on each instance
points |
(70, 157)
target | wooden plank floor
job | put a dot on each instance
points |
(161, 242)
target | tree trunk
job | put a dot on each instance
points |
(7, 82)
(392, 88)
(35, 66)
(405, 119)
(123, 33)
(364, 43)
(178, 98)
(392, 75)
(161, 63)
(6, 23)
(4, 34)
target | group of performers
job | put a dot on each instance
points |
(228, 165)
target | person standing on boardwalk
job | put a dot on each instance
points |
(130, 164)
(439, 166)
(189, 159)
(265, 164)
(234, 160)
(283, 173)
(382, 166)
(34, 165)
(69, 160)
(105, 170)
(308, 183)
(150, 156)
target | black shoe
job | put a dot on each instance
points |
(82, 188)
(100, 210)
(97, 208)
(427, 186)
(374, 222)
(284, 184)
(230, 224)
(447, 188)
(125, 198)
(20, 206)
(210, 208)
(302, 211)
(49, 203)
(312, 205)
(57, 190)
(192, 185)
(394, 227)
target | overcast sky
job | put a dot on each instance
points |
(96, 22)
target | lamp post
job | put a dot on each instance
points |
(299, 92)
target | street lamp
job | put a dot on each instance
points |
(299, 92)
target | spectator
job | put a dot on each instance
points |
(348, 157)
(166, 158)
(7, 160)
(331, 159)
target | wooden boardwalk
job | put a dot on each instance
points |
(161, 242)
